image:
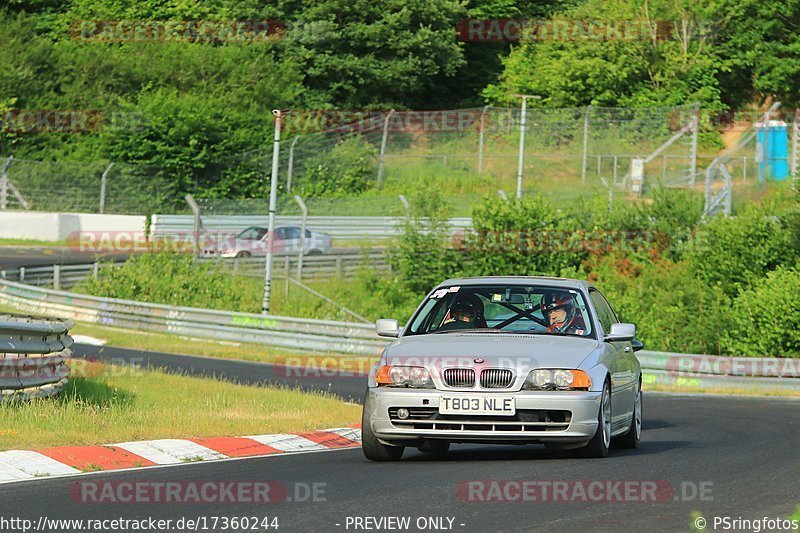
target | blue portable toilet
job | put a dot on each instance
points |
(772, 150)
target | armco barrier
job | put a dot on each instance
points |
(288, 332)
(34, 351)
(341, 266)
(768, 375)
(340, 228)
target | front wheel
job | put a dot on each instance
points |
(598, 446)
(373, 449)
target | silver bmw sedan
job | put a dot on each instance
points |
(506, 360)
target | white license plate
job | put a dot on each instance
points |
(477, 405)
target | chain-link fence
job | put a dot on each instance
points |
(361, 166)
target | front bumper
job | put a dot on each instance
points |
(575, 429)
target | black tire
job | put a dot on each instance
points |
(438, 447)
(598, 446)
(242, 255)
(630, 440)
(375, 450)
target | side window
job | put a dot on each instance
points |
(604, 312)
(292, 233)
(308, 234)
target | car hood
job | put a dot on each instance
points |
(501, 349)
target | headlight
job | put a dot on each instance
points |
(404, 376)
(557, 379)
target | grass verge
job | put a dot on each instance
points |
(108, 404)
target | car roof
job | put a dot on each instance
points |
(548, 281)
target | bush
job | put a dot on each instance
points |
(346, 169)
(734, 253)
(423, 255)
(521, 237)
(176, 279)
(766, 317)
(673, 309)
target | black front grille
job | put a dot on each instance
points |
(496, 378)
(523, 420)
(459, 377)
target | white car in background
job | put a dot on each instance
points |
(252, 242)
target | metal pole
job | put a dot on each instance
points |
(615, 170)
(290, 169)
(521, 146)
(695, 128)
(585, 141)
(273, 194)
(4, 183)
(197, 223)
(384, 138)
(57, 277)
(480, 140)
(103, 188)
(664, 169)
(304, 210)
(795, 135)
(405, 204)
(744, 169)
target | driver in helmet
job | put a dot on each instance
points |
(461, 316)
(561, 313)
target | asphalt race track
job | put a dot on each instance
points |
(734, 457)
(17, 256)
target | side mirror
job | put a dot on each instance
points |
(621, 332)
(387, 327)
(637, 345)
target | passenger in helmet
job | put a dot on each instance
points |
(561, 313)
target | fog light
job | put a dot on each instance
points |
(402, 413)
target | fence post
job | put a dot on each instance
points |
(405, 204)
(695, 128)
(22, 274)
(57, 277)
(304, 210)
(480, 140)
(585, 142)
(384, 138)
(197, 223)
(286, 269)
(103, 188)
(664, 169)
(4, 183)
(290, 168)
(339, 267)
(744, 169)
(95, 269)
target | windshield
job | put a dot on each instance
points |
(507, 308)
(254, 234)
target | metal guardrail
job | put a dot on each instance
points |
(287, 332)
(313, 267)
(343, 266)
(338, 227)
(755, 374)
(704, 371)
(33, 351)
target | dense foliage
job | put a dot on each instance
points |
(689, 285)
(189, 109)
